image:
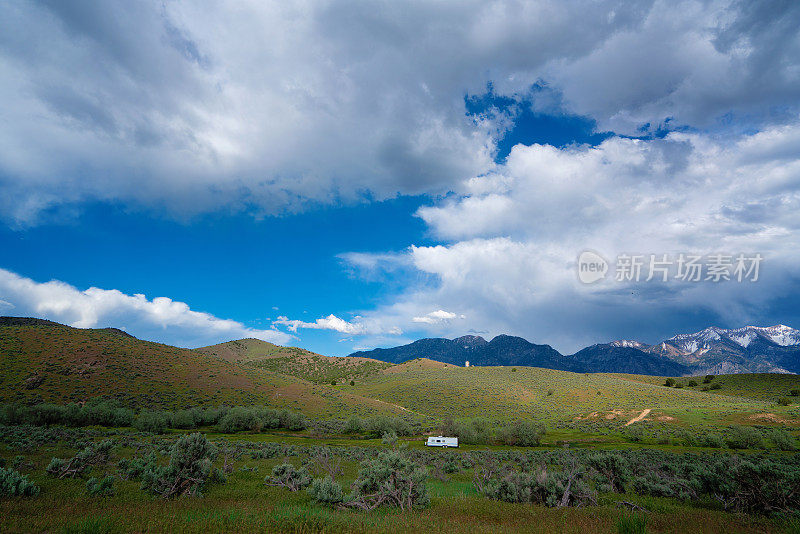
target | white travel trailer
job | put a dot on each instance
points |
(440, 441)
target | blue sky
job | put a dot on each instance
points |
(345, 178)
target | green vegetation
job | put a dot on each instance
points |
(109, 448)
(14, 484)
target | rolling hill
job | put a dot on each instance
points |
(42, 361)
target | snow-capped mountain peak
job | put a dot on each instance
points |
(627, 343)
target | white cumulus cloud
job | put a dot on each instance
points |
(160, 318)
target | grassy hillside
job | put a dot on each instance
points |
(511, 393)
(762, 386)
(296, 362)
(249, 350)
(47, 362)
(56, 363)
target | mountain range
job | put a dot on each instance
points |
(751, 349)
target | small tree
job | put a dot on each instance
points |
(669, 382)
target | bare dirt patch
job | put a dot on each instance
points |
(639, 417)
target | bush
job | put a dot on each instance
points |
(692, 383)
(613, 471)
(287, 476)
(743, 437)
(155, 422)
(715, 385)
(134, 468)
(708, 379)
(544, 487)
(326, 491)
(753, 485)
(354, 425)
(389, 438)
(794, 392)
(390, 479)
(784, 401)
(783, 440)
(15, 484)
(188, 471)
(669, 382)
(375, 427)
(523, 434)
(82, 462)
(103, 487)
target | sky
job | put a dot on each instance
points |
(346, 175)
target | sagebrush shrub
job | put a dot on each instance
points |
(289, 477)
(15, 484)
(390, 479)
(326, 491)
(100, 487)
(189, 469)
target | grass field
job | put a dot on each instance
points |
(245, 504)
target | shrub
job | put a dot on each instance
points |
(389, 438)
(757, 485)
(134, 468)
(613, 471)
(692, 383)
(678, 385)
(188, 471)
(544, 487)
(794, 392)
(784, 401)
(523, 434)
(708, 379)
(326, 491)
(100, 487)
(354, 425)
(155, 422)
(183, 419)
(14, 484)
(743, 437)
(783, 440)
(715, 385)
(390, 479)
(669, 382)
(376, 426)
(352, 383)
(287, 476)
(82, 462)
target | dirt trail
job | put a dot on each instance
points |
(397, 406)
(639, 417)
